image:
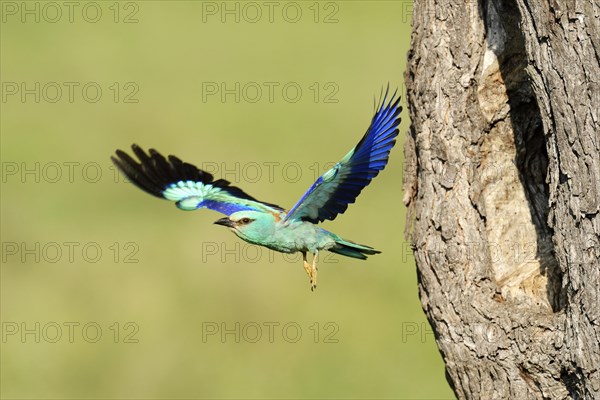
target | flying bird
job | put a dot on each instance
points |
(267, 224)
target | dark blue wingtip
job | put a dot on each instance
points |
(379, 105)
(370, 156)
(386, 119)
(367, 158)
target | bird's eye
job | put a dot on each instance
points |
(245, 220)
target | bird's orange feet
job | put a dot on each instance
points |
(311, 271)
(314, 269)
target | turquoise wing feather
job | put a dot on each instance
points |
(185, 184)
(339, 186)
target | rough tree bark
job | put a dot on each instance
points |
(503, 189)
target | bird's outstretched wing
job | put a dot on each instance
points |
(191, 188)
(338, 187)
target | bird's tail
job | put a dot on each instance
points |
(351, 249)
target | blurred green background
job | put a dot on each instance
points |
(110, 293)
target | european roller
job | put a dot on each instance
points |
(267, 224)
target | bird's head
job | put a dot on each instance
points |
(253, 226)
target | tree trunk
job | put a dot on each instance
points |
(503, 189)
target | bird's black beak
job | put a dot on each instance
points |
(225, 222)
